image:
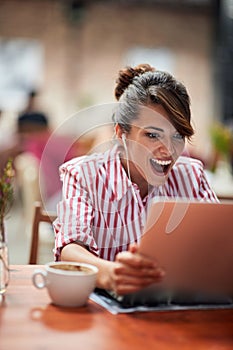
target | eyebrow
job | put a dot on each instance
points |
(154, 128)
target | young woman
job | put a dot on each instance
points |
(106, 196)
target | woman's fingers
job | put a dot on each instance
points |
(133, 271)
(142, 272)
(138, 279)
(128, 279)
(135, 260)
(133, 248)
(128, 283)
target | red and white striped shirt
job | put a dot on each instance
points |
(100, 210)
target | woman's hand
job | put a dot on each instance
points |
(133, 271)
(129, 272)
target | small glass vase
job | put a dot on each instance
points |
(4, 263)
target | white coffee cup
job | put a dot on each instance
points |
(68, 283)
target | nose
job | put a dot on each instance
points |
(167, 147)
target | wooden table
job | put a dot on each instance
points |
(29, 321)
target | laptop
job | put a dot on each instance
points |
(193, 243)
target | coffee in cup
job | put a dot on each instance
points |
(68, 283)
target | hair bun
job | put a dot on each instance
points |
(126, 76)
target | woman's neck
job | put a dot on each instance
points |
(136, 177)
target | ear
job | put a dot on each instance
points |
(119, 131)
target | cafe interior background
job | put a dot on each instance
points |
(70, 52)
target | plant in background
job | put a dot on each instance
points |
(222, 138)
(6, 195)
(222, 141)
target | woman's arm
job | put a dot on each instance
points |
(128, 273)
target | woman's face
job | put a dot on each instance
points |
(153, 147)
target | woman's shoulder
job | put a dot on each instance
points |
(81, 161)
(185, 161)
(89, 161)
(187, 165)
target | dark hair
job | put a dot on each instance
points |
(143, 85)
(32, 93)
(32, 121)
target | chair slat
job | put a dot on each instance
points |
(40, 215)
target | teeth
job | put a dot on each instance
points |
(161, 162)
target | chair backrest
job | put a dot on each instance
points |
(225, 198)
(40, 215)
(27, 170)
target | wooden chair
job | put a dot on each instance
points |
(223, 198)
(40, 215)
(27, 177)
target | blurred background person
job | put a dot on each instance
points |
(38, 143)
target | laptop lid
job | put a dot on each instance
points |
(193, 242)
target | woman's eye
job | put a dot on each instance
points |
(178, 136)
(153, 135)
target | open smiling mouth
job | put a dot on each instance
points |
(160, 166)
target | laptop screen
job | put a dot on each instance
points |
(193, 243)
